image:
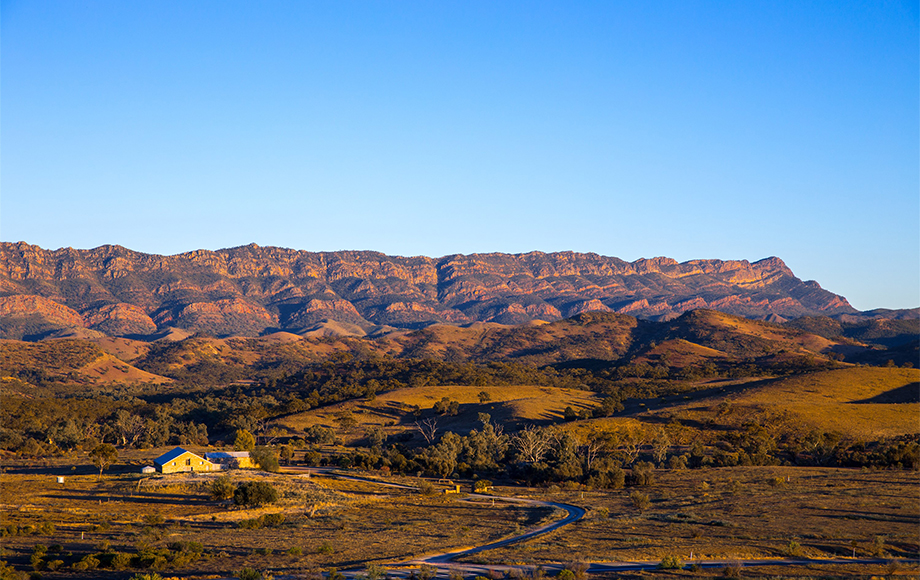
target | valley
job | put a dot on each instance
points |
(702, 440)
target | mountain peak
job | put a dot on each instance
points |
(254, 289)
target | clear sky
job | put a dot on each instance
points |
(731, 130)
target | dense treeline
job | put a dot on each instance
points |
(37, 426)
(218, 391)
(628, 456)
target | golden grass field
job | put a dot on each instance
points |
(737, 513)
(333, 523)
(724, 513)
(391, 410)
(842, 401)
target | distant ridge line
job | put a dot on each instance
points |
(249, 290)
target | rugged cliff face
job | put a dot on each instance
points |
(246, 290)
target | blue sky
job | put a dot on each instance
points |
(731, 130)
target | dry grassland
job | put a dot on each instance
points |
(333, 523)
(866, 403)
(738, 513)
(392, 410)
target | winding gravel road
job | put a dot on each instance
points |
(445, 564)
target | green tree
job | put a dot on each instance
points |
(265, 458)
(482, 486)
(255, 493)
(244, 441)
(222, 488)
(287, 454)
(103, 455)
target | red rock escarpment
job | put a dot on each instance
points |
(251, 289)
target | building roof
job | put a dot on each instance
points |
(217, 455)
(170, 455)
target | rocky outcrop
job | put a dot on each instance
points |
(251, 289)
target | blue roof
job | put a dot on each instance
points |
(170, 455)
(226, 455)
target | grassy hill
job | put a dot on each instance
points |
(396, 412)
(67, 361)
(864, 403)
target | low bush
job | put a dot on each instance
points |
(671, 562)
(222, 488)
(326, 548)
(89, 562)
(640, 500)
(255, 493)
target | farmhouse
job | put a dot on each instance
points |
(230, 459)
(181, 460)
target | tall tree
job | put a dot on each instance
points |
(103, 455)
(244, 441)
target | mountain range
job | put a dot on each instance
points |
(253, 290)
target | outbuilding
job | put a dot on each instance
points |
(179, 460)
(230, 459)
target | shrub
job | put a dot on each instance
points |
(89, 562)
(565, 575)
(249, 574)
(375, 572)
(150, 559)
(732, 570)
(250, 524)
(295, 551)
(793, 549)
(36, 561)
(326, 548)
(578, 569)
(222, 488)
(482, 486)
(878, 547)
(640, 500)
(677, 462)
(644, 473)
(7, 572)
(148, 576)
(777, 482)
(273, 520)
(255, 493)
(120, 561)
(671, 562)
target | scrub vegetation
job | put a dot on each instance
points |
(712, 438)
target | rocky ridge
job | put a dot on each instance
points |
(250, 290)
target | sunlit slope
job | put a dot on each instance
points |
(395, 411)
(68, 361)
(861, 402)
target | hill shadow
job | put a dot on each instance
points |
(909, 393)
